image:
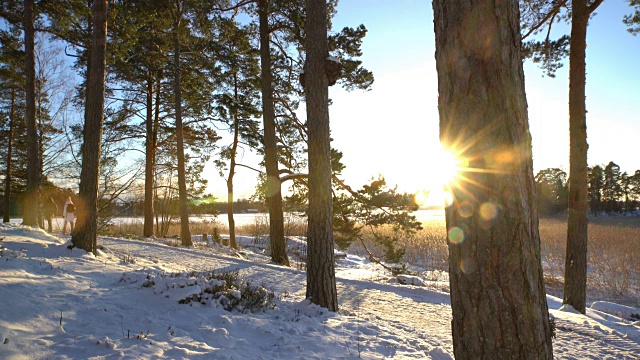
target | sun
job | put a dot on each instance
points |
(448, 167)
(444, 172)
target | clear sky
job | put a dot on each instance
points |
(393, 129)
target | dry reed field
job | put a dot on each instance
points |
(613, 257)
(614, 250)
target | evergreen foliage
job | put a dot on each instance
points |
(633, 20)
(375, 207)
(611, 190)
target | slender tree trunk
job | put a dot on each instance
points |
(232, 169)
(321, 279)
(149, 163)
(86, 230)
(185, 233)
(31, 207)
(156, 125)
(497, 290)
(273, 195)
(7, 178)
(40, 132)
(575, 273)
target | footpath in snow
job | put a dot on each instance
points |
(67, 304)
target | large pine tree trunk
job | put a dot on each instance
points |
(497, 290)
(85, 232)
(273, 195)
(321, 279)
(31, 207)
(7, 177)
(149, 164)
(575, 275)
(185, 233)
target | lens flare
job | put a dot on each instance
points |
(488, 211)
(449, 166)
(456, 235)
(465, 209)
(467, 266)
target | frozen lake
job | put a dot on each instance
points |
(240, 219)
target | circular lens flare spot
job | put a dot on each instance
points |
(488, 211)
(272, 186)
(456, 235)
(465, 209)
(467, 266)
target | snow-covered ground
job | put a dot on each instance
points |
(57, 303)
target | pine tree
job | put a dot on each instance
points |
(237, 101)
(12, 104)
(497, 287)
(612, 189)
(273, 185)
(596, 183)
(374, 207)
(85, 236)
(321, 281)
(633, 21)
(31, 206)
(139, 47)
(552, 191)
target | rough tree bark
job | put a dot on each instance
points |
(497, 290)
(575, 276)
(232, 168)
(321, 280)
(150, 153)
(7, 177)
(185, 233)
(86, 230)
(156, 125)
(31, 206)
(273, 195)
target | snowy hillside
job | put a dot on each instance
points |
(56, 303)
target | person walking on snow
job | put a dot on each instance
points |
(69, 215)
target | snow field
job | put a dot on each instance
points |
(66, 304)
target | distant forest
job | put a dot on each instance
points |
(610, 191)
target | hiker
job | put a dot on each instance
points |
(69, 215)
(49, 211)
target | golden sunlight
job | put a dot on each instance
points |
(447, 168)
(444, 172)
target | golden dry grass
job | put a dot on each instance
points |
(614, 249)
(293, 226)
(613, 256)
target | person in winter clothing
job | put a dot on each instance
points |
(49, 211)
(69, 215)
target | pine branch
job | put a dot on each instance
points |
(554, 11)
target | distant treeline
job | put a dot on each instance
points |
(610, 191)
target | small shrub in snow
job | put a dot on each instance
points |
(410, 280)
(216, 236)
(223, 289)
(127, 259)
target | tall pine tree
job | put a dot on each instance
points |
(497, 287)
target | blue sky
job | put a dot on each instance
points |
(393, 129)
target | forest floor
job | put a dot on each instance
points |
(67, 304)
